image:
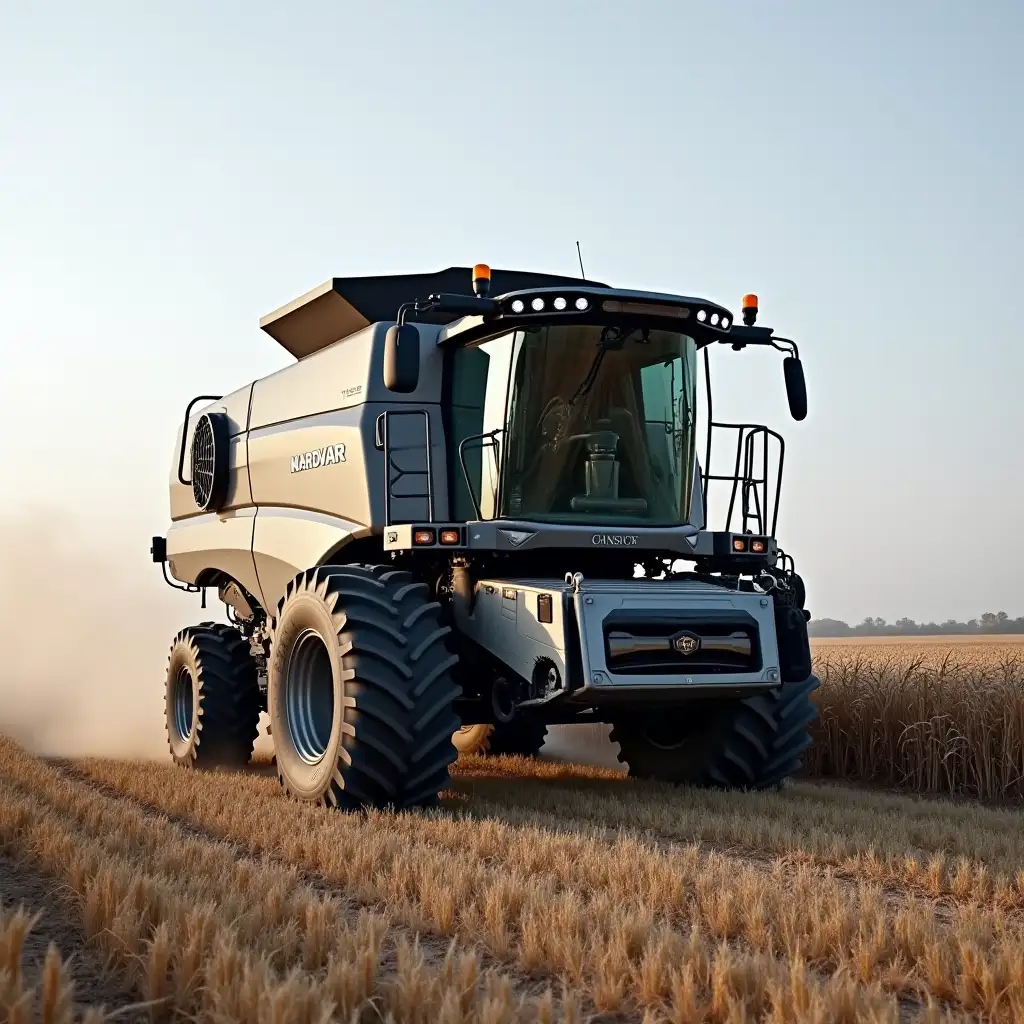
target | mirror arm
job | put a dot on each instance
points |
(785, 345)
(463, 305)
(741, 337)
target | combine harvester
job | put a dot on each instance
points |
(429, 529)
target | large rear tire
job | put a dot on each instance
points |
(753, 743)
(359, 689)
(212, 697)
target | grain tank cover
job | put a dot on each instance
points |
(343, 305)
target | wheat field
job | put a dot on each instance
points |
(929, 714)
(542, 890)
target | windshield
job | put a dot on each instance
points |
(593, 424)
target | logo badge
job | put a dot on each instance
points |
(615, 540)
(327, 456)
(687, 643)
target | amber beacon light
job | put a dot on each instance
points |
(481, 279)
(749, 306)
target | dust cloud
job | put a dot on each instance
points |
(85, 630)
(84, 635)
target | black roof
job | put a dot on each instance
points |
(344, 305)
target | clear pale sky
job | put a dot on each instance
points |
(171, 172)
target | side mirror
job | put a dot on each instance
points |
(796, 387)
(402, 358)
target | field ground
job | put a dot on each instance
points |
(537, 891)
(546, 890)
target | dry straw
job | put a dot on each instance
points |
(895, 716)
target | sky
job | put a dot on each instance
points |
(170, 173)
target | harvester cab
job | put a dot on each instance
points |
(475, 506)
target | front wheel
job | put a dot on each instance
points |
(754, 743)
(359, 689)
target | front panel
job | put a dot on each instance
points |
(636, 637)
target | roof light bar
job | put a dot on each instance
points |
(645, 309)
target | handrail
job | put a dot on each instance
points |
(487, 440)
(751, 488)
(184, 434)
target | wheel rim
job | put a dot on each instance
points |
(182, 701)
(309, 697)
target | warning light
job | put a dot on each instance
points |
(749, 309)
(739, 544)
(481, 279)
(758, 547)
(449, 536)
(423, 537)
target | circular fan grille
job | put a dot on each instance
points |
(204, 462)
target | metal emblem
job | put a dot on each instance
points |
(687, 643)
(327, 456)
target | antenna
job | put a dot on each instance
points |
(578, 253)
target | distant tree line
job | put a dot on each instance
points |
(990, 622)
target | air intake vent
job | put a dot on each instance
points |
(210, 460)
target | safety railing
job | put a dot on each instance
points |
(753, 491)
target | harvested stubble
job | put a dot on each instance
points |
(936, 718)
(964, 853)
(206, 934)
(639, 926)
(50, 1000)
(688, 977)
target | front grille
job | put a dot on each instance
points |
(658, 643)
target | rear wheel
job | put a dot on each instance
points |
(212, 698)
(359, 689)
(522, 736)
(753, 743)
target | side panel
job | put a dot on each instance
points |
(236, 405)
(314, 428)
(505, 622)
(287, 541)
(315, 462)
(213, 541)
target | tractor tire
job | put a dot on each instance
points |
(212, 697)
(359, 689)
(754, 743)
(522, 737)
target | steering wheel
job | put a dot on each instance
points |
(609, 438)
(555, 409)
